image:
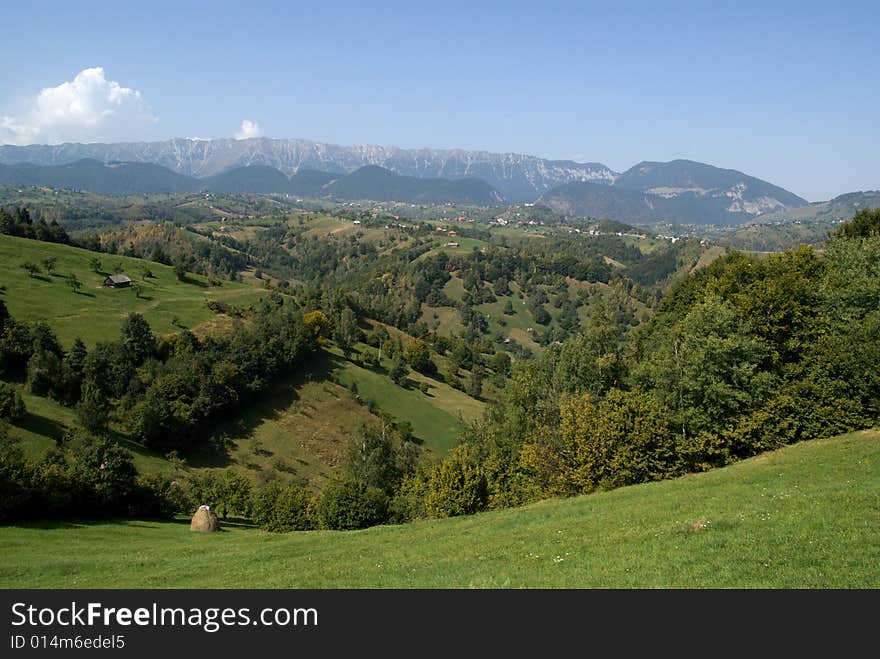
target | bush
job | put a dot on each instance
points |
(217, 306)
(12, 407)
(234, 493)
(347, 505)
(282, 508)
(418, 356)
(158, 496)
(105, 471)
(263, 504)
(398, 371)
(53, 490)
(15, 494)
(456, 487)
(293, 509)
(408, 504)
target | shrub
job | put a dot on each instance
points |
(263, 504)
(12, 407)
(292, 510)
(282, 508)
(398, 370)
(104, 470)
(347, 505)
(14, 478)
(456, 487)
(158, 496)
(408, 503)
(418, 355)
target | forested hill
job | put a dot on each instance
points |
(95, 176)
(380, 184)
(679, 191)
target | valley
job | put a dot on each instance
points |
(276, 356)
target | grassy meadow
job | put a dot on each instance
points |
(805, 516)
(95, 313)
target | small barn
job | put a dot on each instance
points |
(117, 281)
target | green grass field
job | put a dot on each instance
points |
(96, 313)
(805, 516)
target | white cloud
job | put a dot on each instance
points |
(88, 108)
(248, 130)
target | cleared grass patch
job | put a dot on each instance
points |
(299, 432)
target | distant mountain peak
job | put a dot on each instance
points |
(683, 191)
(517, 177)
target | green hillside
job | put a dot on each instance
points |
(801, 517)
(437, 417)
(95, 313)
(301, 429)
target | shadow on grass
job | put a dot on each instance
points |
(41, 425)
(78, 523)
(367, 366)
(138, 523)
(237, 523)
(48, 524)
(133, 446)
(194, 282)
(232, 522)
(87, 294)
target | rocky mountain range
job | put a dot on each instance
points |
(518, 178)
(681, 191)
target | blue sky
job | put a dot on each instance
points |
(787, 92)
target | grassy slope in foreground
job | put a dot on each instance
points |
(96, 313)
(802, 517)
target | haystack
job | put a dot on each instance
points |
(205, 519)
